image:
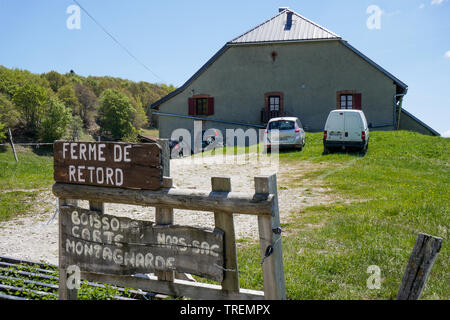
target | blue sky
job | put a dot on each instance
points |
(174, 38)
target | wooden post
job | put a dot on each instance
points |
(64, 293)
(165, 154)
(12, 144)
(224, 221)
(419, 266)
(270, 235)
(164, 216)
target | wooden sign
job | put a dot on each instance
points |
(110, 244)
(108, 164)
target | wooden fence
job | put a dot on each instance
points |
(223, 203)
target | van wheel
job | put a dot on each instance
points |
(326, 150)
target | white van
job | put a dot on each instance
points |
(346, 129)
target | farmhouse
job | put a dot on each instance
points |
(286, 66)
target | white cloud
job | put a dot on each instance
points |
(422, 5)
(446, 134)
(437, 2)
(447, 54)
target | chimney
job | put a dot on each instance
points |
(281, 9)
(288, 21)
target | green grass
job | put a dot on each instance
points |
(150, 132)
(19, 181)
(31, 172)
(403, 186)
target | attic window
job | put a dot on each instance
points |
(201, 105)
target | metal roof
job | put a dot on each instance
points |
(286, 26)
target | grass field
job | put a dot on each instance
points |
(20, 181)
(402, 185)
(398, 189)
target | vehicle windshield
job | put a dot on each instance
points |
(282, 125)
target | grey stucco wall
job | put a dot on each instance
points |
(309, 74)
(410, 124)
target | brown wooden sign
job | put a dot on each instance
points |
(108, 164)
(110, 244)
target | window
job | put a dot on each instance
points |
(274, 103)
(201, 105)
(282, 125)
(348, 100)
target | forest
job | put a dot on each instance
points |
(50, 106)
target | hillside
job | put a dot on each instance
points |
(48, 106)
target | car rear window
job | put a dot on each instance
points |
(282, 125)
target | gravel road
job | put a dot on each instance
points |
(34, 236)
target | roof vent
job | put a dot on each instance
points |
(288, 21)
(281, 9)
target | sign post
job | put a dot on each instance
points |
(126, 252)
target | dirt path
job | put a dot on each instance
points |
(34, 236)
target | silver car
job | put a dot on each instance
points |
(285, 132)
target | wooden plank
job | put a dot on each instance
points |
(272, 265)
(419, 266)
(12, 144)
(115, 153)
(64, 293)
(224, 221)
(201, 200)
(164, 217)
(108, 164)
(119, 245)
(177, 288)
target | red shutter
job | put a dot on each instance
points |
(357, 101)
(191, 109)
(210, 106)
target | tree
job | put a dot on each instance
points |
(55, 80)
(55, 122)
(66, 94)
(9, 115)
(116, 114)
(30, 100)
(88, 102)
(2, 132)
(75, 128)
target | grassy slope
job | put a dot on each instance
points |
(19, 181)
(406, 177)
